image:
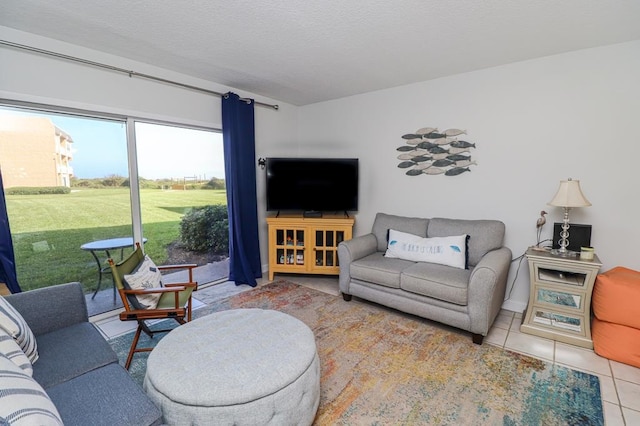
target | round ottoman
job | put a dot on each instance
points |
(236, 367)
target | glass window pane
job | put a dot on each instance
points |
(66, 185)
(181, 171)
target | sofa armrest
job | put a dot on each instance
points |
(351, 250)
(487, 286)
(51, 308)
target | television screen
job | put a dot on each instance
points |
(312, 184)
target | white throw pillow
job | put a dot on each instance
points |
(12, 322)
(10, 349)
(450, 251)
(146, 276)
(23, 401)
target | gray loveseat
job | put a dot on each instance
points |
(76, 366)
(468, 299)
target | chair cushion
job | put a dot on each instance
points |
(10, 349)
(13, 323)
(90, 351)
(117, 400)
(437, 281)
(484, 235)
(378, 269)
(449, 251)
(145, 276)
(23, 401)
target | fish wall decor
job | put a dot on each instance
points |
(429, 151)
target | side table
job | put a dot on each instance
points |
(560, 297)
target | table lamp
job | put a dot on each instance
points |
(569, 195)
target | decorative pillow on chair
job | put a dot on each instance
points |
(450, 251)
(145, 276)
(23, 400)
(12, 322)
(10, 349)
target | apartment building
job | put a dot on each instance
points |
(34, 152)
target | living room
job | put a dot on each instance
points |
(534, 121)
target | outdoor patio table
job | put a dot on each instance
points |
(106, 245)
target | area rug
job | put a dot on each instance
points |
(380, 366)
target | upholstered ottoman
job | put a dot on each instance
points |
(615, 330)
(236, 367)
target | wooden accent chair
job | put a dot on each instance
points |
(174, 302)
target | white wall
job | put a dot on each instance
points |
(535, 123)
(30, 77)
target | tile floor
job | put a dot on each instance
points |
(620, 383)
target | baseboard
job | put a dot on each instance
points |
(514, 306)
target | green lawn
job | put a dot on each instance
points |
(48, 230)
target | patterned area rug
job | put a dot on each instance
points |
(379, 366)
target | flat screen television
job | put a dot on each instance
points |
(312, 185)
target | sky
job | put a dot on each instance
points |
(99, 149)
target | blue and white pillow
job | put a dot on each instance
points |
(23, 402)
(146, 276)
(12, 322)
(449, 251)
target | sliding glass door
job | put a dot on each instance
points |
(72, 202)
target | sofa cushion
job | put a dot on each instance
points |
(22, 400)
(437, 281)
(13, 323)
(449, 251)
(117, 400)
(70, 352)
(10, 349)
(485, 235)
(378, 269)
(410, 225)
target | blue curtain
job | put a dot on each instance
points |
(240, 177)
(7, 258)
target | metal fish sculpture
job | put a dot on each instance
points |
(434, 135)
(405, 156)
(456, 171)
(437, 150)
(440, 156)
(465, 163)
(454, 132)
(443, 163)
(462, 144)
(426, 130)
(414, 172)
(433, 152)
(411, 136)
(458, 157)
(433, 171)
(406, 164)
(443, 141)
(427, 145)
(454, 150)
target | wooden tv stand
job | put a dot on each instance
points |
(304, 245)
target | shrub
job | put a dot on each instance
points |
(214, 183)
(206, 229)
(37, 190)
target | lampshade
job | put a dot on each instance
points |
(569, 195)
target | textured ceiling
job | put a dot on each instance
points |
(302, 51)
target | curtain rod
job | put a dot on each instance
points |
(130, 73)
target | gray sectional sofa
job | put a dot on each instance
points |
(468, 299)
(76, 367)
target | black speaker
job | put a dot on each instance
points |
(579, 236)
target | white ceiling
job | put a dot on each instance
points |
(305, 51)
